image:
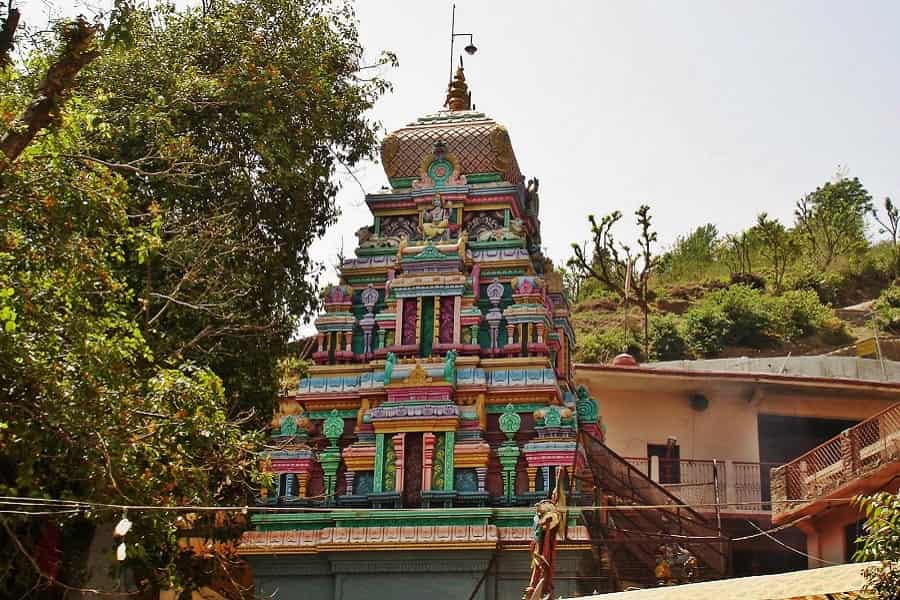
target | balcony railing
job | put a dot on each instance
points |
(854, 453)
(742, 486)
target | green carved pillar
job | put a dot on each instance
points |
(330, 458)
(437, 462)
(378, 476)
(508, 452)
(449, 441)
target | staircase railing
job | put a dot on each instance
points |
(645, 516)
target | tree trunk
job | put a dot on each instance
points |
(79, 50)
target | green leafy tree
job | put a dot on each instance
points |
(692, 255)
(668, 342)
(887, 309)
(832, 220)
(888, 221)
(154, 229)
(232, 140)
(778, 246)
(881, 542)
(737, 252)
(572, 282)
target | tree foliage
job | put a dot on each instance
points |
(154, 264)
(888, 220)
(881, 542)
(832, 220)
(737, 252)
(691, 255)
(616, 266)
(778, 246)
(887, 309)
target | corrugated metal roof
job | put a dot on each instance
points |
(827, 583)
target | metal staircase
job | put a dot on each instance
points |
(631, 533)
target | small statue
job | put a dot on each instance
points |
(516, 229)
(389, 362)
(675, 565)
(533, 199)
(364, 234)
(436, 220)
(450, 367)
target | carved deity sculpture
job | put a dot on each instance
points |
(436, 221)
(389, 363)
(675, 565)
(547, 519)
(450, 367)
(532, 198)
(494, 314)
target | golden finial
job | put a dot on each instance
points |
(458, 95)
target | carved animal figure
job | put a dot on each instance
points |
(363, 234)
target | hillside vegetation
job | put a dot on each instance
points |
(767, 290)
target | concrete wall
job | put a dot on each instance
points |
(405, 575)
(725, 430)
(646, 408)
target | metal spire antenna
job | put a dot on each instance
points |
(470, 49)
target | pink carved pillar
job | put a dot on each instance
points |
(398, 328)
(398, 461)
(348, 478)
(320, 339)
(348, 340)
(456, 310)
(427, 459)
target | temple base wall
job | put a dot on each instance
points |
(409, 575)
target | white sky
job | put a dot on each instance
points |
(709, 111)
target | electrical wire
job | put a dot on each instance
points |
(56, 506)
(61, 506)
(794, 550)
(84, 504)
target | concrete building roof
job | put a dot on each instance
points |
(821, 373)
(839, 367)
(843, 581)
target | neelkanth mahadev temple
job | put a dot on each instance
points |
(441, 404)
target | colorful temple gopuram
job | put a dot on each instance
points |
(441, 406)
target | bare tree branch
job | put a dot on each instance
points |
(7, 35)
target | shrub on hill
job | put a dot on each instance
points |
(749, 317)
(706, 329)
(744, 316)
(797, 313)
(604, 346)
(887, 309)
(666, 339)
(752, 280)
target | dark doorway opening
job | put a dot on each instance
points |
(782, 439)
(669, 461)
